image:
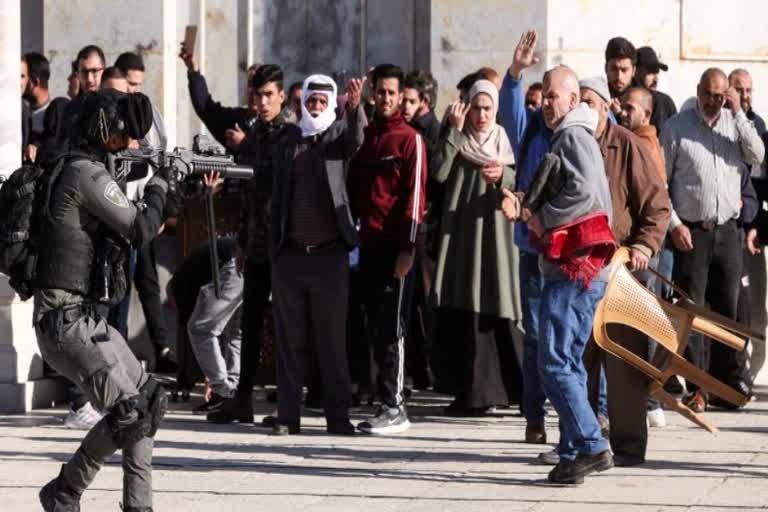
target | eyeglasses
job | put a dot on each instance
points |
(91, 71)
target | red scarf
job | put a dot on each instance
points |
(579, 248)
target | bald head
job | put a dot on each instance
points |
(560, 96)
(636, 108)
(713, 74)
(711, 92)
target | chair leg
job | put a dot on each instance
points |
(705, 381)
(657, 391)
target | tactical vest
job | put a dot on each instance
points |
(66, 258)
(67, 253)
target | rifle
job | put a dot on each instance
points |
(206, 156)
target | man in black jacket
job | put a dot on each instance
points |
(268, 131)
(311, 231)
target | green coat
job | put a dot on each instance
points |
(477, 264)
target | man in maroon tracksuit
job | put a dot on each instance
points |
(386, 183)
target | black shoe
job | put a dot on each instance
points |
(214, 404)
(456, 411)
(233, 409)
(269, 421)
(286, 429)
(574, 471)
(716, 401)
(624, 460)
(673, 386)
(55, 497)
(740, 386)
(340, 427)
(165, 362)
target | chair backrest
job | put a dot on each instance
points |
(628, 302)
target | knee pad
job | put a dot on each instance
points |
(137, 417)
(157, 404)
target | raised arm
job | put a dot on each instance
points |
(511, 100)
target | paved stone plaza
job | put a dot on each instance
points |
(441, 464)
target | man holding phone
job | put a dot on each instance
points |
(704, 150)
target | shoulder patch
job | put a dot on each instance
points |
(114, 195)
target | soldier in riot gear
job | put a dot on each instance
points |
(87, 224)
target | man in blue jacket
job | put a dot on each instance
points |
(530, 139)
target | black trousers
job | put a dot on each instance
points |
(387, 302)
(142, 271)
(257, 287)
(148, 285)
(711, 273)
(310, 307)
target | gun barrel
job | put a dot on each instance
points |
(224, 168)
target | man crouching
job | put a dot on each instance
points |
(87, 225)
(571, 229)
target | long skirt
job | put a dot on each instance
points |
(473, 358)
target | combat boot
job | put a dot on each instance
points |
(55, 496)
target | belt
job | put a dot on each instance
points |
(311, 249)
(708, 225)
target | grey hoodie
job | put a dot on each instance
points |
(586, 185)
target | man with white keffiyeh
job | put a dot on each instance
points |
(311, 232)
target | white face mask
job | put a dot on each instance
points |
(314, 125)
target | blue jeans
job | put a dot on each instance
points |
(565, 323)
(531, 284)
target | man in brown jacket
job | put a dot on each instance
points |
(641, 212)
(636, 111)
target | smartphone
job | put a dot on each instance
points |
(190, 37)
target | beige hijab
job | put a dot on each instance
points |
(490, 144)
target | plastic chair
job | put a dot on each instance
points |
(627, 302)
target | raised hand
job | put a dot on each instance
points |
(188, 58)
(524, 56)
(457, 114)
(354, 92)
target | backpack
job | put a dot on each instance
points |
(22, 200)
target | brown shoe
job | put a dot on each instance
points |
(696, 401)
(535, 434)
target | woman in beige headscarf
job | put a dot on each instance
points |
(475, 288)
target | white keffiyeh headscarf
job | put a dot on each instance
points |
(317, 84)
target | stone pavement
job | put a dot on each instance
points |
(441, 464)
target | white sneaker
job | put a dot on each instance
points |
(84, 418)
(656, 418)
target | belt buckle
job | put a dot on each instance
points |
(309, 249)
(709, 225)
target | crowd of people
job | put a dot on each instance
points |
(371, 225)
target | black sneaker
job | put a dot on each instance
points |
(235, 409)
(214, 404)
(286, 429)
(574, 471)
(55, 498)
(387, 421)
(340, 427)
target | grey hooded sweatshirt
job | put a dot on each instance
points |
(586, 185)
